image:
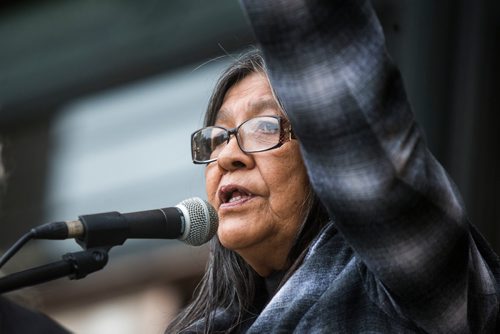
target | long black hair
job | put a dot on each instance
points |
(229, 283)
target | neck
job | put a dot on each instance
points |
(266, 262)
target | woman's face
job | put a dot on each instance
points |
(258, 196)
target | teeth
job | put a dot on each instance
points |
(235, 198)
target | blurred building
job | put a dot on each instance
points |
(98, 99)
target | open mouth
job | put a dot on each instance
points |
(233, 194)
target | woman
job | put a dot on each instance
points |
(387, 248)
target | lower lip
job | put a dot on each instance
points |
(235, 204)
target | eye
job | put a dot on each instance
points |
(267, 127)
(218, 138)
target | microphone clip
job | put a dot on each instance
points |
(106, 229)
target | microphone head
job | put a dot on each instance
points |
(201, 221)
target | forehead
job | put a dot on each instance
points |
(250, 97)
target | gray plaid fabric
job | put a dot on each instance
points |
(405, 258)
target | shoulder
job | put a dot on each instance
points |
(17, 319)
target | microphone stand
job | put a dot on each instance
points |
(75, 265)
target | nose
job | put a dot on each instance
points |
(231, 157)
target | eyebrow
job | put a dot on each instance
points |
(256, 107)
(264, 104)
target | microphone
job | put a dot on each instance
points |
(193, 221)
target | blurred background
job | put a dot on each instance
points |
(98, 100)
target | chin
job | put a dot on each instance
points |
(233, 235)
(231, 241)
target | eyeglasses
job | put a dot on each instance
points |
(257, 134)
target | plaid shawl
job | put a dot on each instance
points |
(405, 258)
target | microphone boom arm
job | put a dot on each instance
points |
(75, 265)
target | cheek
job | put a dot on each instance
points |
(211, 184)
(288, 182)
(290, 193)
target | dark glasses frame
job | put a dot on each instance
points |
(286, 134)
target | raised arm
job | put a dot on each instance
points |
(368, 162)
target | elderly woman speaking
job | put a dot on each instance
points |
(334, 216)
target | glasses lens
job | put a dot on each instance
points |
(259, 134)
(207, 142)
